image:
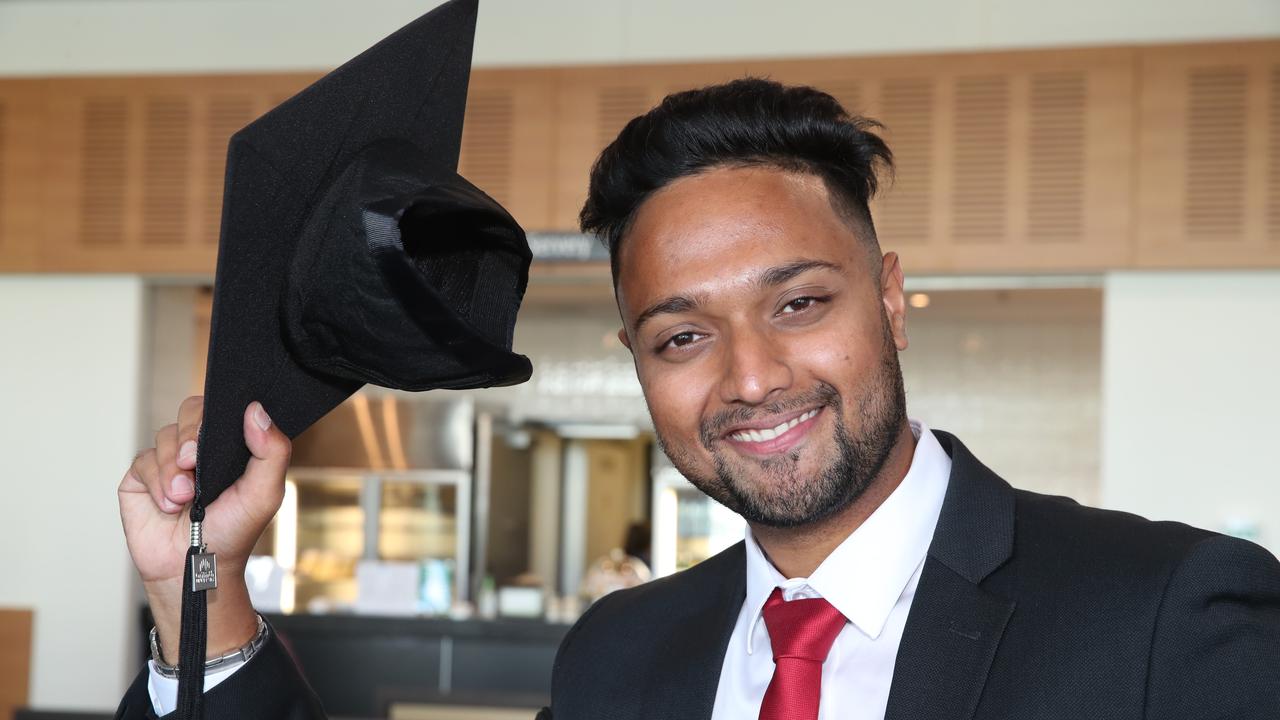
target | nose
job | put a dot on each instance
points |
(756, 368)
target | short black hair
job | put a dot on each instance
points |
(743, 123)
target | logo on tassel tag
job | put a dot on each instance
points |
(204, 571)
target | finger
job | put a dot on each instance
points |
(190, 413)
(175, 483)
(145, 474)
(269, 450)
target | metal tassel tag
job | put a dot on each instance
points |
(204, 565)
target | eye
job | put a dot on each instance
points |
(800, 304)
(680, 340)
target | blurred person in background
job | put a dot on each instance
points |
(886, 572)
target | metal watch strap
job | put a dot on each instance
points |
(226, 661)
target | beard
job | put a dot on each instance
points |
(774, 492)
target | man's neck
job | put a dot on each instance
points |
(798, 551)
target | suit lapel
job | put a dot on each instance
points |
(955, 626)
(947, 647)
(685, 685)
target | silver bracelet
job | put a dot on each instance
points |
(236, 657)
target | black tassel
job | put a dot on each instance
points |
(195, 619)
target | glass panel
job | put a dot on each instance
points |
(330, 540)
(417, 521)
(704, 527)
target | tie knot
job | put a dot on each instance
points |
(801, 629)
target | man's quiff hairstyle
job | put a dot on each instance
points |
(750, 122)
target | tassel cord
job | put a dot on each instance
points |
(194, 639)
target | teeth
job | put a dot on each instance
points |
(771, 433)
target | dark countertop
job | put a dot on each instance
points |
(361, 665)
(337, 624)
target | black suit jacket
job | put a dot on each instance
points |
(1028, 606)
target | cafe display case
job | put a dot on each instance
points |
(382, 488)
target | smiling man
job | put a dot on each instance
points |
(886, 572)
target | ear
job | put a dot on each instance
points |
(895, 304)
(622, 338)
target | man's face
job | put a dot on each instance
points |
(765, 338)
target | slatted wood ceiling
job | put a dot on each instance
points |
(4, 166)
(226, 114)
(1007, 161)
(1215, 177)
(1273, 158)
(166, 174)
(616, 106)
(1057, 157)
(487, 142)
(907, 109)
(104, 170)
(1017, 161)
(509, 144)
(980, 174)
(1209, 191)
(22, 151)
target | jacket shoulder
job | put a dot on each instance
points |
(1094, 540)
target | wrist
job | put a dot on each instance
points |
(219, 665)
(232, 621)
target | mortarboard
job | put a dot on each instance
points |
(352, 252)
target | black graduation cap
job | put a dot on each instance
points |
(352, 252)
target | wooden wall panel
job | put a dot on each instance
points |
(1004, 162)
(1024, 161)
(125, 174)
(1209, 134)
(135, 166)
(509, 142)
(15, 660)
(594, 103)
(22, 137)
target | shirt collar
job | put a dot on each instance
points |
(867, 573)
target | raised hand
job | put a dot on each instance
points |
(154, 500)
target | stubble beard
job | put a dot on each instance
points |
(774, 492)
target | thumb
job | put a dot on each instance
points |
(269, 448)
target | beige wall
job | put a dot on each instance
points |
(1015, 374)
(142, 36)
(71, 390)
(1191, 398)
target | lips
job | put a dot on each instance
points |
(778, 438)
(763, 434)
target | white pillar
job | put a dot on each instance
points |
(70, 395)
(1191, 399)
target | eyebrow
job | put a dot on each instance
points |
(666, 306)
(771, 277)
(782, 273)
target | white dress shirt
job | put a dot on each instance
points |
(164, 691)
(870, 578)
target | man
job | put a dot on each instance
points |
(887, 572)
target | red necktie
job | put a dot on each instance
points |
(801, 633)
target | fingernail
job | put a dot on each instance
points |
(181, 485)
(188, 450)
(260, 416)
